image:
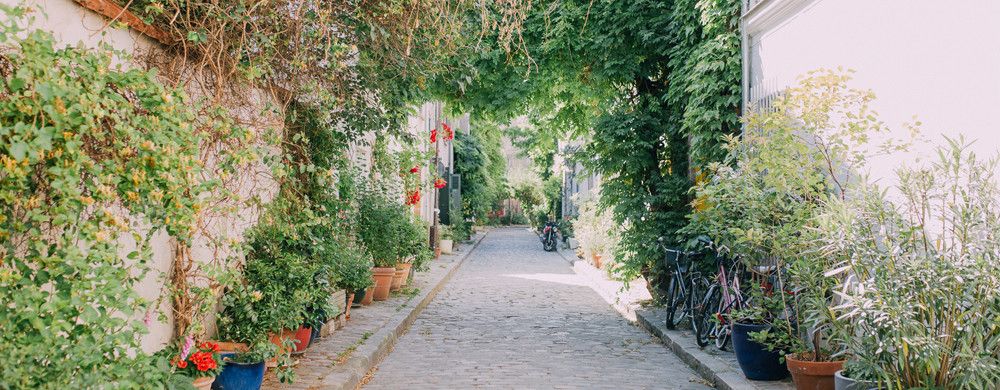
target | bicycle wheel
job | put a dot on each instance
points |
(705, 317)
(675, 299)
(693, 307)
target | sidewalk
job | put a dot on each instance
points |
(717, 367)
(342, 359)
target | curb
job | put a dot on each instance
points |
(719, 368)
(369, 354)
(711, 366)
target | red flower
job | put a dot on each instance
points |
(412, 198)
(415, 169)
(449, 134)
(440, 183)
(434, 135)
(179, 363)
(203, 361)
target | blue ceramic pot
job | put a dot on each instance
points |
(755, 360)
(239, 376)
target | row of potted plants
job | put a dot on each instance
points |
(891, 287)
(296, 259)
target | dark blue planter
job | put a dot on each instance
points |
(755, 360)
(315, 333)
(239, 376)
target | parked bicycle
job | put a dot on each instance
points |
(683, 298)
(722, 297)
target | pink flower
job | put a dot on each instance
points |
(188, 344)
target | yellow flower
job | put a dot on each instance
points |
(132, 195)
(148, 145)
(87, 200)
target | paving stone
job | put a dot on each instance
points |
(516, 317)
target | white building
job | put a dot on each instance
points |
(937, 61)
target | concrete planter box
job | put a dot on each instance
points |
(447, 246)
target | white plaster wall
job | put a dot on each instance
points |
(938, 61)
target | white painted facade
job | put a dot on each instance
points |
(933, 61)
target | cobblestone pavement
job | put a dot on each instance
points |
(516, 317)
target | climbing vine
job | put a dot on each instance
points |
(651, 87)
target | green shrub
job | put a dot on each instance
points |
(390, 233)
(89, 153)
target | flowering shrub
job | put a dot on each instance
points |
(440, 183)
(413, 198)
(595, 229)
(434, 135)
(449, 134)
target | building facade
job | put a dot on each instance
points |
(927, 61)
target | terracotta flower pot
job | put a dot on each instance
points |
(302, 337)
(369, 296)
(204, 383)
(437, 251)
(383, 282)
(810, 375)
(406, 274)
(347, 308)
(397, 280)
(229, 346)
(597, 260)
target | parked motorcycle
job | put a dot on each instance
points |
(550, 236)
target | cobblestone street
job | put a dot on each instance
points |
(515, 316)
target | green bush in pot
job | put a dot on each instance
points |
(354, 270)
(921, 276)
(380, 228)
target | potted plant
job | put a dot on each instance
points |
(412, 247)
(245, 323)
(199, 361)
(847, 379)
(379, 228)
(355, 274)
(447, 240)
(760, 336)
(919, 274)
(244, 370)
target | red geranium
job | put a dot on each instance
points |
(204, 361)
(440, 183)
(414, 169)
(434, 135)
(449, 134)
(412, 198)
